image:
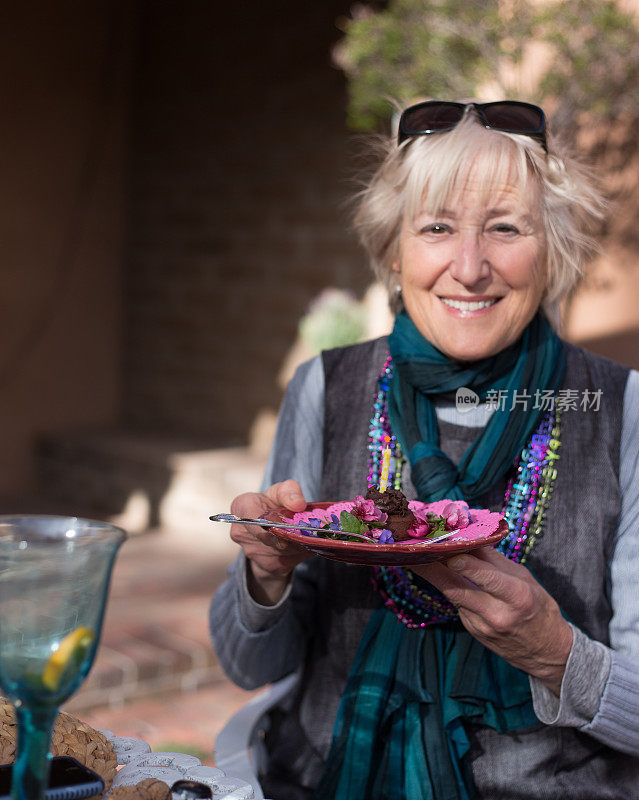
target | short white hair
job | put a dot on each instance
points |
(430, 169)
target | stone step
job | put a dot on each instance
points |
(144, 481)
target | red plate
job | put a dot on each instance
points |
(412, 551)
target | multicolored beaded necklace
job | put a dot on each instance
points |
(525, 502)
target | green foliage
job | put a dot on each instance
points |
(335, 318)
(183, 747)
(459, 49)
(593, 77)
(351, 524)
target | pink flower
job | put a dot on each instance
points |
(367, 511)
(456, 514)
(419, 528)
(421, 515)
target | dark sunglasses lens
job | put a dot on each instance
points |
(513, 117)
(432, 117)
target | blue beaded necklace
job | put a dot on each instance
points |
(526, 499)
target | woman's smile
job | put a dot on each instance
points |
(465, 306)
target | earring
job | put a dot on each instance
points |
(396, 299)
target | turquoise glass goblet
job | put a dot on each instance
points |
(54, 579)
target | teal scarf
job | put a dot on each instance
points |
(536, 362)
(399, 731)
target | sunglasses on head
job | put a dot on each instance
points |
(438, 116)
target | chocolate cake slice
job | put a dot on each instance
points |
(393, 502)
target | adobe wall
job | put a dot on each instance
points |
(241, 166)
(61, 222)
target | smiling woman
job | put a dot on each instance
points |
(507, 672)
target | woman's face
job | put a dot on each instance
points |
(473, 275)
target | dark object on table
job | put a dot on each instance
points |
(68, 780)
(71, 737)
(190, 790)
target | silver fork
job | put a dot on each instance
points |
(267, 523)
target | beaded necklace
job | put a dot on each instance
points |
(526, 499)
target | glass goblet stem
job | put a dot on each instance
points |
(31, 769)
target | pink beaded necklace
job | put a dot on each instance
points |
(525, 502)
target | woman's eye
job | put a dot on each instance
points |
(436, 227)
(505, 227)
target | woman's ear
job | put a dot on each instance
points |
(396, 267)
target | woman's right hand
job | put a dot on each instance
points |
(270, 560)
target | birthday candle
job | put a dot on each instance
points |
(386, 456)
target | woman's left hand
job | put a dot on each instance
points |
(507, 610)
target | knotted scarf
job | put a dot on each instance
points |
(535, 363)
(399, 732)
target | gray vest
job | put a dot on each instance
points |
(571, 561)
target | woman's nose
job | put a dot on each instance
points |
(470, 263)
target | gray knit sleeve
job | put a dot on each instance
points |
(259, 644)
(297, 449)
(600, 689)
(252, 658)
(616, 721)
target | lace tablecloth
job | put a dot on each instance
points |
(138, 763)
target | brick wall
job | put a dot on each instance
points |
(66, 68)
(240, 168)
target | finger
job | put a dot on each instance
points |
(251, 505)
(491, 576)
(287, 494)
(499, 560)
(460, 591)
(256, 536)
(255, 504)
(442, 578)
(252, 534)
(282, 545)
(255, 548)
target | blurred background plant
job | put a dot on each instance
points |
(578, 58)
(422, 48)
(335, 318)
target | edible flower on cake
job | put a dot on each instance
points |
(365, 509)
(454, 515)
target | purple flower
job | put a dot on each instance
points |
(383, 536)
(314, 522)
(367, 511)
(456, 514)
(334, 525)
